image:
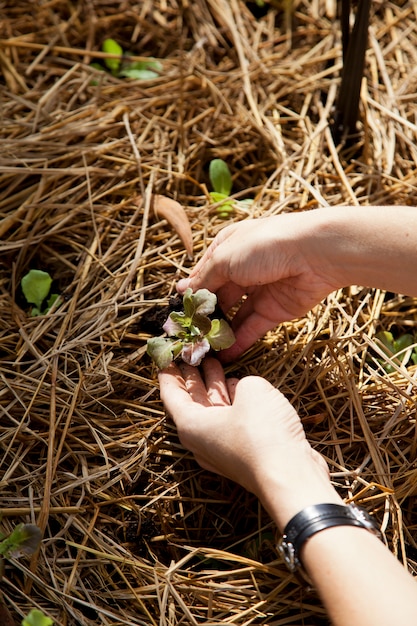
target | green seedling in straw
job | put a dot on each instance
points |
(36, 618)
(221, 181)
(398, 349)
(36, 287)
(191, 332)
(24, 539)
(121, 66)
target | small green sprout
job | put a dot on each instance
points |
(122, 67)
(191, 333)
(221, 181)
(24, 539)
(397, 349)
(112, 47)
(36, 285)
(36, 618)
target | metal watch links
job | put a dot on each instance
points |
(316, 518)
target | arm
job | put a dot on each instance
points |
(285, 265)
(359, 580)
(246, 430)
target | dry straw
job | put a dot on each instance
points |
(134, 532)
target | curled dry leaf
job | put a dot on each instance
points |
(174, 213)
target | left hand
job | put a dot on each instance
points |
(247, 431)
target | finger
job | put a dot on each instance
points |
(195, 384)
(229, 295)
(210, 272)
(251, 329)
(250, 322)
(173, 391)
(215, 381)
(231, 388)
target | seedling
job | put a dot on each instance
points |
(24, 539)
(36, 286)
(221, 181)
(122, 67)
(397, 348)
(36, 618)
(191, 332)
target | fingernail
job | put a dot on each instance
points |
(183, 284)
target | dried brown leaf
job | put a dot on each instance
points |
(175, 215)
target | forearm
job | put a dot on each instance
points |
(359, 581)
(368, 246)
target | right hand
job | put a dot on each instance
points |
(275, 263)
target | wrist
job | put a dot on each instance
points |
(318, 518)
(303, 482)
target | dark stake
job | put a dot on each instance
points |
(354, 49)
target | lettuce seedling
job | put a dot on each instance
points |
(36, 618)
(36, 285)
(221, 181)
(122, 67)
(24, 539)
(393, 347)
(191, 332)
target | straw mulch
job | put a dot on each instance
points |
(133, 531)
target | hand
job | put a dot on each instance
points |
(273, 264)
(276, 269)
(247, 431)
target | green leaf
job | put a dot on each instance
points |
(140, 70)
(202, 323)
(218, 197)
(220, 177)
(35, 286)
(403, 342)
(36, 618)
(24, 539)
(188, 303)
(387, 339)
(112, 47)
(246, 203)
(221, 336)
(194, 330)
(54, 298)
(153, 64)
(393, 346)
(177, 324)
(225, 208)
(160, 349)
(148, 64)
(204, 301)
(138, 74)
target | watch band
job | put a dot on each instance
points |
(314, 519)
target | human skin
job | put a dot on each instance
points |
(247, 431)
(269, 271)
(276, 269)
